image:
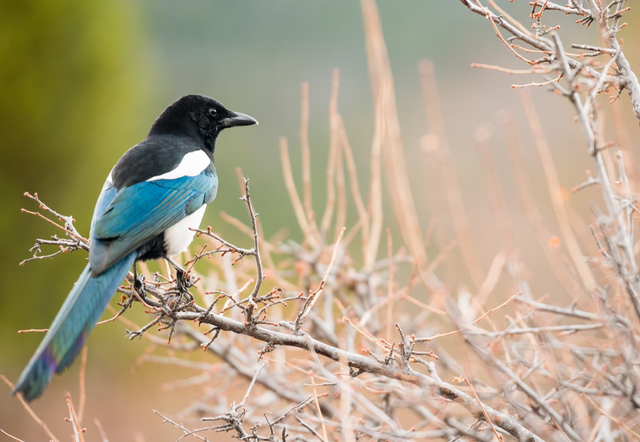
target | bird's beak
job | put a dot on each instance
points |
(238, 119)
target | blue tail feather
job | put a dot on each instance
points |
(71, 327)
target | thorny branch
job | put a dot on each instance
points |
(171, 307)
(581, 82)
(331, 345)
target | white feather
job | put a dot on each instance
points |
(178, 237)
(191, 165)
(110, 177)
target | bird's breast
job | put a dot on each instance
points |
(178, 237)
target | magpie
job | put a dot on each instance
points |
(156, 193)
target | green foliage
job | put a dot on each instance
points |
(68, 75)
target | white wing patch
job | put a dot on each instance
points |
(110, 177)
(178, 237)
(191, 165)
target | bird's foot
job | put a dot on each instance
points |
(138, 286)
(182, 277)
(182, 280)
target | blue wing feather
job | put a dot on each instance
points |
(133, 215)
(76, 318)
(139, 213)
(106, 196)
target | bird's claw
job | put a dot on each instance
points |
(182, 280)
(138, 286)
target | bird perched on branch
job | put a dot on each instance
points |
(152, 199)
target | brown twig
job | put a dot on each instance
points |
(34, 416)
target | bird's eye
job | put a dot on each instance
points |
(213, 112)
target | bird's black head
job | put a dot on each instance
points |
(199, 118)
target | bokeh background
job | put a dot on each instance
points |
(82, 80)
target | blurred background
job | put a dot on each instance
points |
(82, 81)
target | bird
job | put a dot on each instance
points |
(154, 197)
